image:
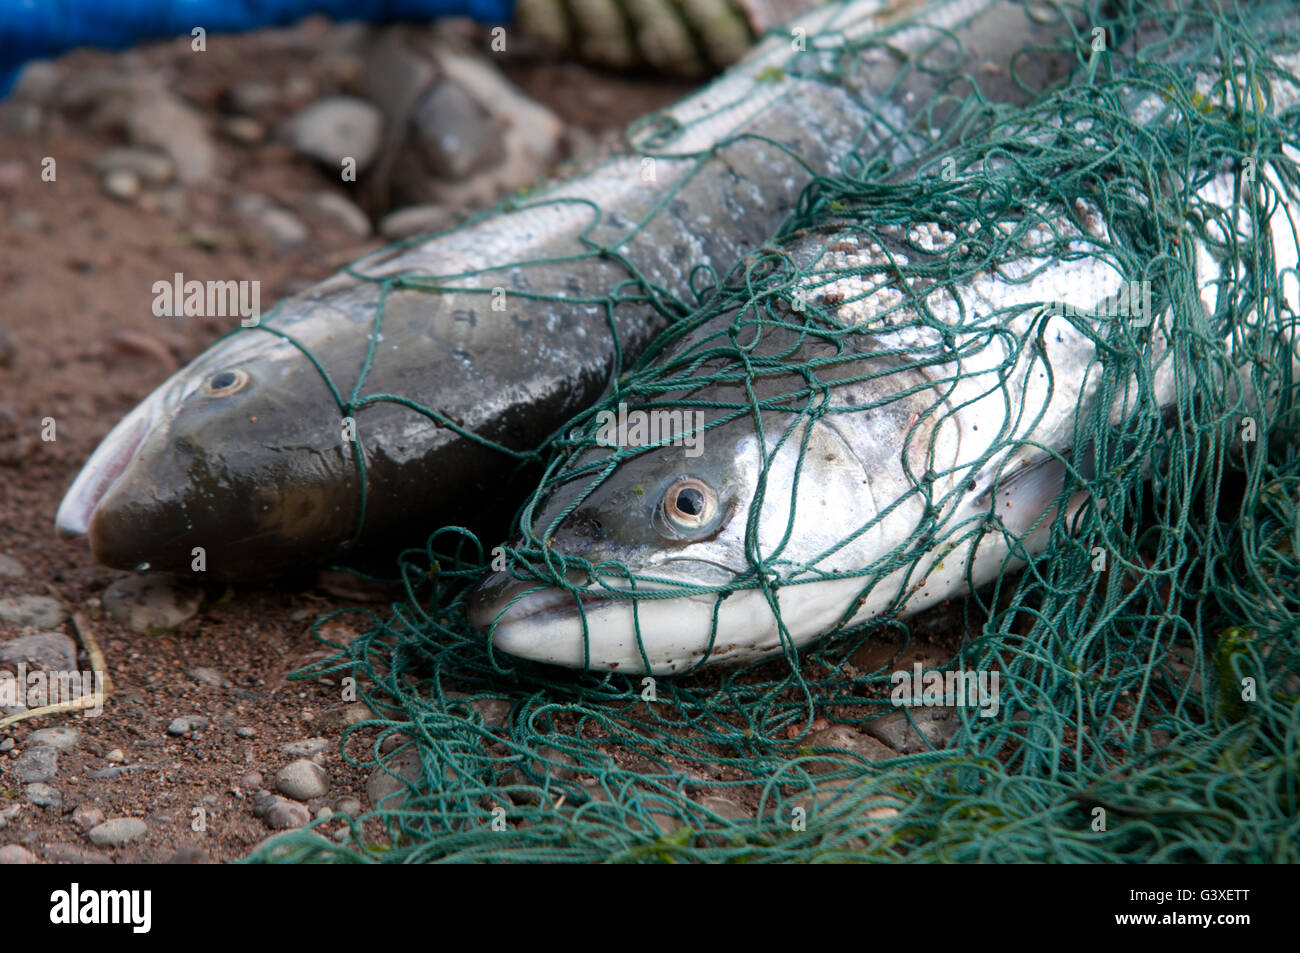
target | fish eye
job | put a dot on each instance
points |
(690, 506)
(225, 383)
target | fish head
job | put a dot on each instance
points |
(659, 561)
(230, 467)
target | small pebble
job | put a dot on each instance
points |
(334, 128)
(148, 603)
(302, 780)
(251, 780)
(53, 650)
(209, 676)
(116, 831)
(243, 129)
(251, 97)
(87, 817)
(347, 805)
(284, 814)
(187, 724)
(120, 184)
(334, 206)
(6, 745)
(16, 854)
(75, 854)
(415, 220)
(37, 764)
(190, 854)
(116, 756)
(281, 226)
(37, 612)
(11, 568)
(148, 166)
(42, 795)
(307, 747)
(61, 738)
(245, 732)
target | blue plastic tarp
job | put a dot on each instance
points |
(32, 29)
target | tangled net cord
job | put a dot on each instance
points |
(1098, 709)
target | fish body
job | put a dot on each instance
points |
(397, 396)
(833, 477)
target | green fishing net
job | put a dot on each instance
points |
(1149, 711)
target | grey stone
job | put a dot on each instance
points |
(37, 81)
(190, 854)
(415, 220)
(42, 795)
(117, 831)
(209, 676)
(52, 650)
(75, 854)
(847, 739)
(406, 765)
(547, 762)
(276, 849)
(61, 738)
(347, 805)
(117, 755)
(307, 747)
(284, 813)
(252, 97)
(243, 129)
(457, 136)
(37, 764)
(282, 227)
(6, 745)
(86, 817)
(937, 726)
(120, 184)
(148, 603)
(23, 119)
(7, 814)
(159, 119)
(186, 724)
(37, 612)
(149, 166)
(302, 780)
(26, 220)
(335, 128)
(245, 732)
(494, 710)
(530, 140)
(16, 854)
(11, 568)
(880, 806)
(339, 209)
(726, 809)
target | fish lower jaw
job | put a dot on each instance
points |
(668, 636)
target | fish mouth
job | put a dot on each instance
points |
(110, 460)
(659, 630)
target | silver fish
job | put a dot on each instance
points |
(251, 456)
(934, 459)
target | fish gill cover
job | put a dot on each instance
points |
(1149, 698)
